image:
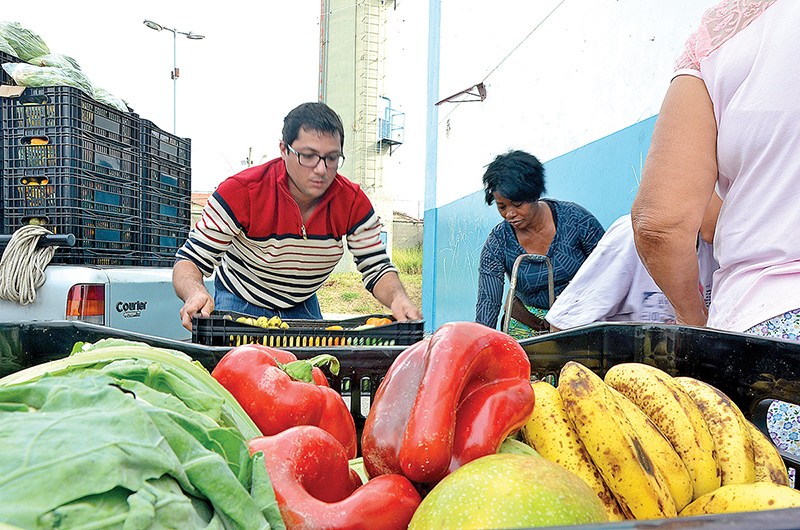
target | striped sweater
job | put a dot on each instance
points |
(251, 230)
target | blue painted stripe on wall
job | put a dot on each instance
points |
(603, 176)
(429, 243)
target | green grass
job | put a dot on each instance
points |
(344, 292)
(408, 260)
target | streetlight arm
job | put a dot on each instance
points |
(175, 72)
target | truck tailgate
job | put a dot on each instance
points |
(137, 299)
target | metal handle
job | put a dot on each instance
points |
(55, 240)
(512, 289)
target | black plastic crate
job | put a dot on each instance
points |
(166, 177)
(223, 329)
(44, 191)
(69, 110)
(733, 362)
(5, 79)
(171, 209)
(164, 146)
(753, 371)
(68, 147)
(161, 240)
(101, 213)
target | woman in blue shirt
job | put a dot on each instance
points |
(563, 231)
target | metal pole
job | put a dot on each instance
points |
(174, 82)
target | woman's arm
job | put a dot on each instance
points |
(491, 281)
(677, 183)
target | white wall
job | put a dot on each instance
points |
(590, 68)
(405, 84)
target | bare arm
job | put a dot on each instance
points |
(390, 292)
(187, 281)
(677, 184)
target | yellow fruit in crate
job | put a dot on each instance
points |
(770, 467)
(729, 429)
(751, 497)
(551, 433)
(508, 490)
(274, 322)
(262, 321)
(676, 415)
(661, 451)
(284, 325)
(613, 444)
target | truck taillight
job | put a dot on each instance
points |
(87, 302)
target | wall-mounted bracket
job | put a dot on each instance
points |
(473, 93)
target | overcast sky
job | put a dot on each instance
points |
(258, 61)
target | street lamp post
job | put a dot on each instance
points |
(175, 73)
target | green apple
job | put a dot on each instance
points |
(507, 490)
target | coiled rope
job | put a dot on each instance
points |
(22, 265)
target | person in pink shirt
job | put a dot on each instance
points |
(730, 121)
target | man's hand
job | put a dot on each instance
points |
(403, 309)
(390, 292)
(201, 302)
(188, 283)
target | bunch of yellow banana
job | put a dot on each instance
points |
(750, 497)
(770, 467)
(614, 445)
(677, 416)
(728, 428)
(652, 445)
(551, 433)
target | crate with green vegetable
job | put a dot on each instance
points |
(122, 434)
(228, 328)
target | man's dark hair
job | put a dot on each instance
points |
(311, 117)
(518, 176)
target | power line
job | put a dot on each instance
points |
(509, 54)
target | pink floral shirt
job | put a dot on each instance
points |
(718, 25)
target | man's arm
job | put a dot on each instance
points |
(390, 292)
(188, 283)
(678, 180)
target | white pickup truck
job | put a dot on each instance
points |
(138, 299)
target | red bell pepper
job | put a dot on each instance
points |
(317, 490)
(446, 402)
(277, 391)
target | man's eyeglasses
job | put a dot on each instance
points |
(308, 160)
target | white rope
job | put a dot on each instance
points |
(22, 265)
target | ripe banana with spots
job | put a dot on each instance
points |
(614, 445)
(729, 429)
(770, 467)
(675, 413)
(743, 498)
(551, 433)
(661, 451)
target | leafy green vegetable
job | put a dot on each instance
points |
(104, 96)
(123, 435)
(178, 375)
(27, 44)
(5, 47)
(59, 60)
(29, 75)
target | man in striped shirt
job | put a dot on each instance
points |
(274, 232)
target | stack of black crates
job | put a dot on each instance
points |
(117, 182)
